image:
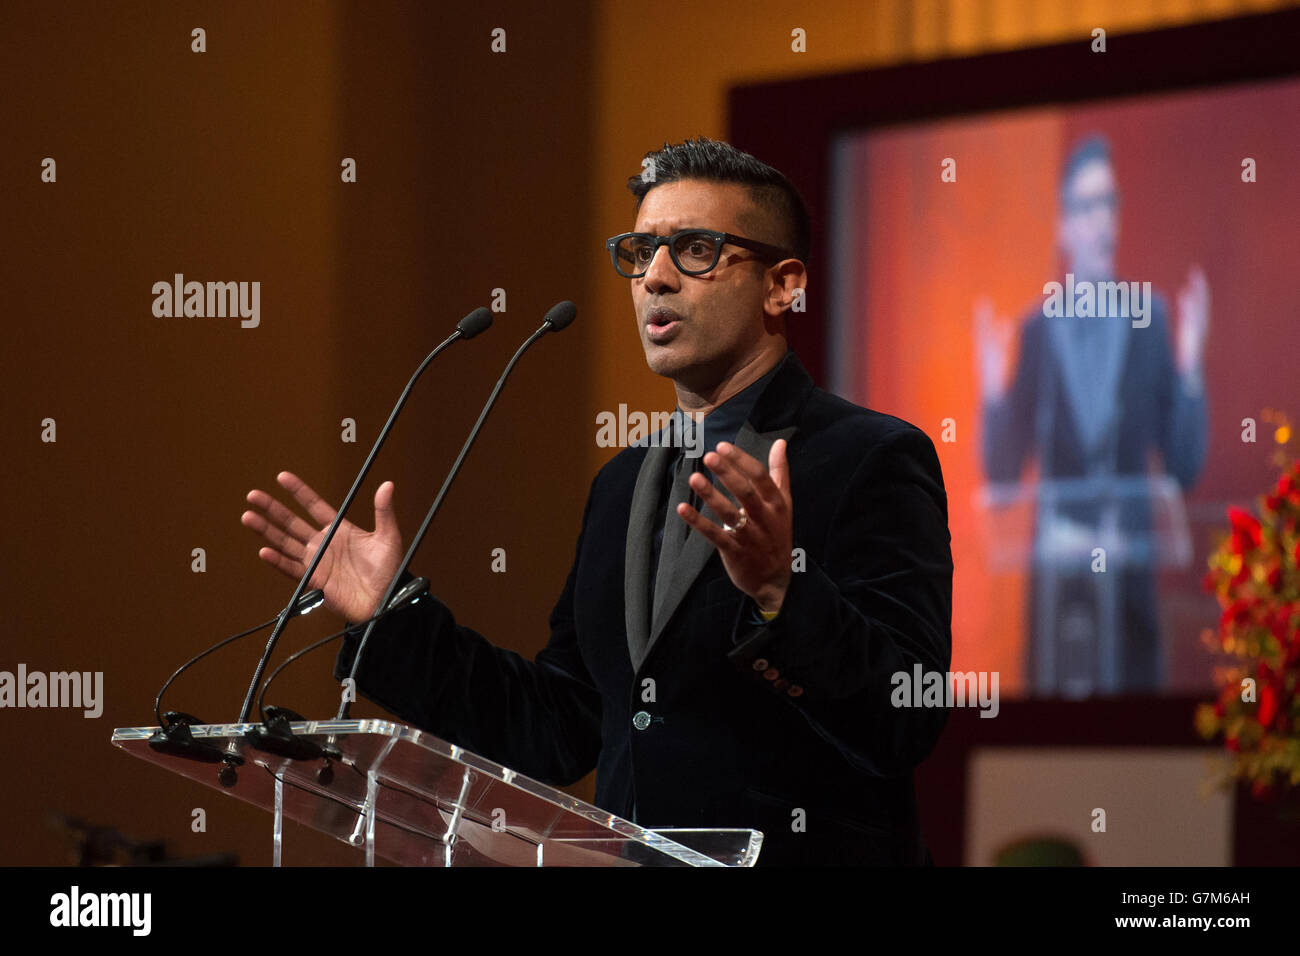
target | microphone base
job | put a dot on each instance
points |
(275, 736)
(176, 740)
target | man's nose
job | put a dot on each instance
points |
(662, 273)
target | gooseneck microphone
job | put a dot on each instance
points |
(474, 323)
(471, 325)
(560, 316)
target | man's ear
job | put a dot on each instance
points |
(785, 278)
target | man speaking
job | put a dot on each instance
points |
(723, 650)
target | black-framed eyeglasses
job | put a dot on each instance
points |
(693, 251)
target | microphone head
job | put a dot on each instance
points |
(477, 321)
(561, 314)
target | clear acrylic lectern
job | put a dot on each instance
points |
(404, 796)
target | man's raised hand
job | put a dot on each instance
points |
(358, 564)
(756, 555)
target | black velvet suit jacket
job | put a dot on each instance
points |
(744, 724)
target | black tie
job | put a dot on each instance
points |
(675, 529)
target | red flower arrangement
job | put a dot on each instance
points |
(1255, 573)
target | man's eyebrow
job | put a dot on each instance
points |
(672, 230)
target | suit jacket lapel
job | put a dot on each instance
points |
(637, 570)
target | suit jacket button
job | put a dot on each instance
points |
(640, 720)
(771, 673)
(781, 684)
(795, 690)
(760, 664)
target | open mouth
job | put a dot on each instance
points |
(662, 324)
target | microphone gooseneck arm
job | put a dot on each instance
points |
(306, 604)
(471, 325)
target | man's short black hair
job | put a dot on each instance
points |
(1088, 150)
(714, 161)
